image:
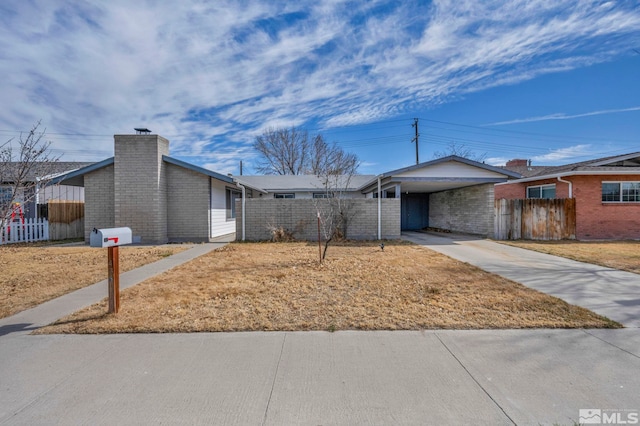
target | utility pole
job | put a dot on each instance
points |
(415, 124)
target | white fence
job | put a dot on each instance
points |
(29, 231)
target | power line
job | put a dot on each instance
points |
(525, 133)
(389, 139)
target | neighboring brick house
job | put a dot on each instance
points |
(606, 190)
(160, 198)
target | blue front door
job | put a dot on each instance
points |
(414, 211)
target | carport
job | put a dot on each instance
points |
(451, 193)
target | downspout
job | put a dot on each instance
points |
(570, 185)
(244, 197)
(37, 197)
(379, 209)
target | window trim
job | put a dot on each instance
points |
(284, 195)
(620, 192)
(318, 195)
(542, 187)
(231, 205)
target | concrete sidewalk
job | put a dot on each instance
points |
(48, 312)
(609, 292)
(493, 377)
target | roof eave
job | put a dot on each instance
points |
(572, 173)
(616, 159)
(81, 171)
(197, 169)
(462, 160)
(248, 185)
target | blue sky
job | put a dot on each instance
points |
(551, 81)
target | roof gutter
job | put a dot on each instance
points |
(379, 208)
(572, 173)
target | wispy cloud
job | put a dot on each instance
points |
(497, 161)
(212, 75)
(554, 157)
(562, 116)
(561, 155)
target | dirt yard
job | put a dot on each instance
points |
(281, 286)
(33, 274)
(623, 255)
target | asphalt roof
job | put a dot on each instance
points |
(46, 168)
(625, 162)
(294, 183)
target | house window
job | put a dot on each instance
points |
(541, 191)
(5, 195)
(621, 192)
(284, 195)
(232, 196)
(322, 195)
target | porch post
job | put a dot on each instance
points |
(244, 196)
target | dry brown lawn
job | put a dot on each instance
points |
(281, 286)
(33, 274)
(623, 255)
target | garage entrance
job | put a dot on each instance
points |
(451, 193)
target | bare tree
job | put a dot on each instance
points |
(460, 150)
(331, 160)
(335, 210)
(23, 167)
(293, 152)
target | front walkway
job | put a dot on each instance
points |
(48, 312)
(609, 292)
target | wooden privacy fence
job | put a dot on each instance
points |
(66, 219)
(535, 219)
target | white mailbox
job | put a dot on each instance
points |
(110, 237)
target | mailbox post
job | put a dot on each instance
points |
(112, 238)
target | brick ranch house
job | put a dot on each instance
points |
(164, 199)
(606, 192)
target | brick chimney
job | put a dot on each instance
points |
(140, 185)
(518, 162)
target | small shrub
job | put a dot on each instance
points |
(280, 234)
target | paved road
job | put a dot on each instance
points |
(609, 292)
(410, 377)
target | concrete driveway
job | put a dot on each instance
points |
(609, 292)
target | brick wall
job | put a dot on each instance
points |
(597, 220)
(99, 200)
(300, 217)
(140, 186)
(187, 204)
(469, 210)
(515, 191)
